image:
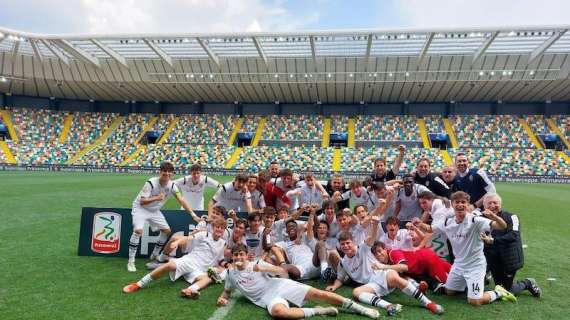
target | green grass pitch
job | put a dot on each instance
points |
(41, 276)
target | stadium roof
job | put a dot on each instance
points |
(334, 67)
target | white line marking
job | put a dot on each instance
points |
(222, 312)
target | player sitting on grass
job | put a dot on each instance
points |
(255, 282)
(207, 250)
(356, 265)
(146, 208)
(464, 232)
(324, 247)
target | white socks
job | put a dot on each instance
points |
(134, 246)
(373, 300)
(145, 280)
(413, 291)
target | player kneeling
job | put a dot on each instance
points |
(254, 282)
(208, 250)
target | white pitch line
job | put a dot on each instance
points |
(222, 312)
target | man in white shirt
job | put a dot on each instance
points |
(207, 251)
(308, 192)
(233, 195)
(257, 198)
(374, 284)
(396, 238)
(146, 208)
(256, 282)
(194, 185)
(469, 268)
(357, 194)
(407, 206)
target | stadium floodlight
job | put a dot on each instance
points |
(481, 73)
(492, 73)
(329, 75)
(407, 74)
(3, 79)
(169, 76)
(531, 72)
(390, 74)
(351, 75)
(504, 72)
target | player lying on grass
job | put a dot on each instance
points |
(146, 208)
(207, 251)
(254, 281)
(356, 265)
(464, 232)
(419, 264)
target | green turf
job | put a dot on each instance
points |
(41, 275)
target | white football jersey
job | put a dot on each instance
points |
(402, 241)
(230, 198)
(363, 199)
(465, 238)
(206, 251)
(333, 227)
(151, 188)
(389, 211)
(194, 192)
(310, 196)
(253, 285)
(254, 241)
(297, 254)
(257, 199)
(409, 205)
(359, 267)
(439, 211)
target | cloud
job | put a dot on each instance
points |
(182, 16)
(481, 13)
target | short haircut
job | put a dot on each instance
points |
(252, 216)
(358, 206)
(239, 247)
(336, 176)
(460, 154)
(355, 183)
(309, 174)
(273, 162)
(376, 245)
(269, 210)
(290, 221)
(426, 195)
(408, 175)
(325, 223)
(252, 176)
(424, 159)
(285, 172)
(378, 186)
(341, 213)
(345, 235)
(220, 222)
(282, 208)
(220, 208)
(379, 160)
(167, 166)
(460, 195)
(263, 176)
(329, 203)
(195, 168)
(393, 221)
(240, 221)
(241, 177)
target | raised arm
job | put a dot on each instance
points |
(399, 159)
(373, 233)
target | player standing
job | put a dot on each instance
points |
(194, 185)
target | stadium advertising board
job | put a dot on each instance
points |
(106, 231)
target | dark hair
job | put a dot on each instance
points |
(252, 216)
(220, 208)
(330, 203)
(167, 166)
(285, 172)
(358, 206)
(408, 175)
(240, 221)
(325, 223)
(426, 195)
(269, 210)
(291, 221)
(393, 221)
(376, 245)
(239, 247)
(379, 160)
(273, 162)
(195, 167)
(423, 159)
(378, 186)
(240, 177)
(345, 235)
(460, 195)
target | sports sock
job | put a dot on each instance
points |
(350, 305)
(324, 266)
(194, 288)
(162, 257)
(134, 246)
(373, 300)
(413, 291)
(144, 280)
(494, 295)
(519, 286)
(309, 312)
(159, 244)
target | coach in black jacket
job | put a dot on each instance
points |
(503, 250)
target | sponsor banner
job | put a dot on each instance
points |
(107, 231)
(321, 175)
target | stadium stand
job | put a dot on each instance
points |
(387, 128)
(361, 159)
(209, 156)
(202, 129)
(293, 128)
(538, 124)
(88, 126)
(434, 124)
(249, 123)
(339, 124)
(563, 122)
(516, 161)
(297, 158)
(496, 131)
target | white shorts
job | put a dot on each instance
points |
(284, 291)
(308, 271)
(185, 267)
(155, 219)
(379, 283)
(474, 279)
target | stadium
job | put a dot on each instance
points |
(86, 119)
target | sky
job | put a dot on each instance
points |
(210, 16)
